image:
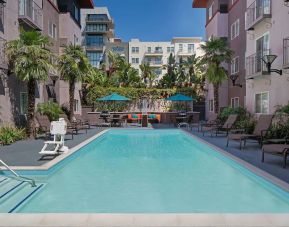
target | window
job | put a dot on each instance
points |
(76, 105)
(94, 40)
(191, 48)
(235, 102)
(235, 65)
(211, 105)
(52, 30)
(149, 49)
(210, 11)
(135, 60)
(75, 41)
(158, 49)
(181, 47)
(76, 12)
(135, 49)
(262, 103)
(235, 29)
(23, 102)
(94, 58)
(170, 49)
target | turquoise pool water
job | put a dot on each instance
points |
(154, 171)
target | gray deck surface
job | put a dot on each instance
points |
(25, 153)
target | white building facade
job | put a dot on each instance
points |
(157, 53)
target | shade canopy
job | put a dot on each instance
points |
(114, 97)
(180, 98)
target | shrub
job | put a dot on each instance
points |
(10, 134)
(224, 114)
(51, 109)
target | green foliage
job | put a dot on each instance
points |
(111, 106)
(135, 93)
(10, 134)
(244, 118)
(51, 109)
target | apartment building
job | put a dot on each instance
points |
(116, 46)
(97, 31)
(217, 26)
(60, 21)
(157, 53)
(237, 43)
(267, 33)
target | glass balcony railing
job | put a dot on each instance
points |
(31, 14)
(256, 12)
(154, 52)
(255, 65)
(286, 53)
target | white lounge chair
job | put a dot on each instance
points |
(58, 130)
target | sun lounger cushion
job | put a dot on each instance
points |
(275, 148)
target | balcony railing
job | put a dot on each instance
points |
(154, 52)
(3, 62)
(286, 53)
(154, 63)
(31, 14)
(100, 20)
(188, 52)
(255, 64)
(257, 11)
(94, 46)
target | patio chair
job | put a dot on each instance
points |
(75, 126)
(281, 150)
(258, 134)
(81, 121)
(217, 128)
(43, 123)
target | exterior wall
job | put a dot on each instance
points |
(218, 27)
(276, 85)
(143, 56)
(70, 31)
(238, 45)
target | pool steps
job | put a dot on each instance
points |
(13, 193)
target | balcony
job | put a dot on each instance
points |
(94, 47)
(257, 12)
(286, 53)
(3, 62)
(255, 65)
(109, 32)
(155, 63)
(30, 14)
(100, 20)
(185, 53)
(154, 53)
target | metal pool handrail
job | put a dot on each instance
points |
(24, 179)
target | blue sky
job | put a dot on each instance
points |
(155, 20)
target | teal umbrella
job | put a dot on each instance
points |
(180, 98)
(114, 97)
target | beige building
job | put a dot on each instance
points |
(157, 53)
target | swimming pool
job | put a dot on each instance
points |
(153, 171)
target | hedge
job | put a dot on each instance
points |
(136, 93)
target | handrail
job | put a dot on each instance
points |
(25, 179)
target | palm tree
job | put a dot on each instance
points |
(73, 67)
(30, 61)
(216, 52)
(146, 73)
(170, 79)
(191, 64)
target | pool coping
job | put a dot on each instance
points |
(143, 220)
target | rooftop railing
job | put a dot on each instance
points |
(31, 14)
(257, 11)
(286, 53)
(255, 65)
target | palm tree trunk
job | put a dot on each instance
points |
(216, 98)
(71, 99)
(31, 108)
